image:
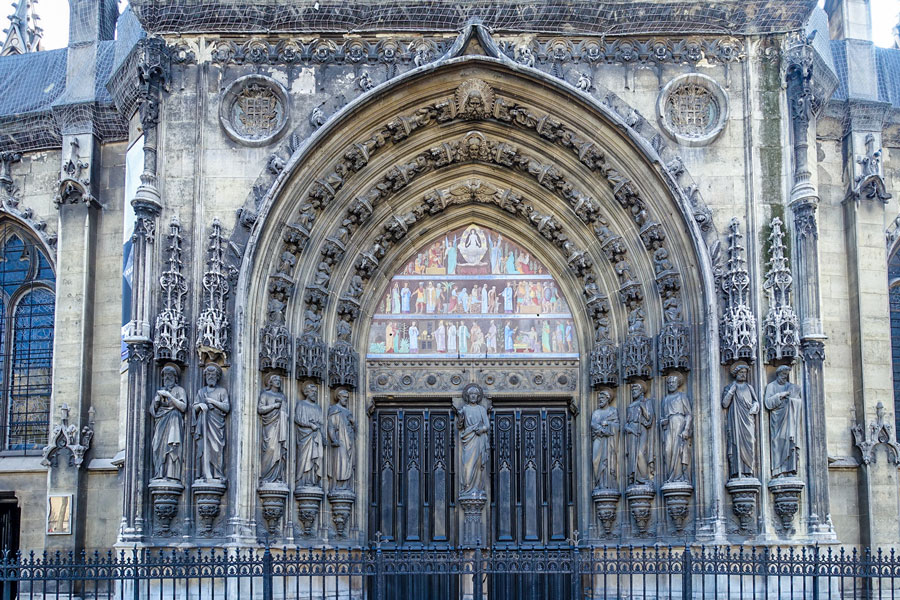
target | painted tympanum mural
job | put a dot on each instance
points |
(472, 292)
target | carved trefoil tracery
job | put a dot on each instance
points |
(171, 342)
(737, 329)
(782, 339)
(213, 323)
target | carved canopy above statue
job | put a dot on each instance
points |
(472, 293)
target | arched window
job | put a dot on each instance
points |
(27, 284)
(894, 280)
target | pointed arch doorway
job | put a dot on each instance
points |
(471, 307)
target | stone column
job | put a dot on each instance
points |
(147, 206)
(804, 201)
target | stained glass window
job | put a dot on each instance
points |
(472, 293)
(26, 345)
(894, 279)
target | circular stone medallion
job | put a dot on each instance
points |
(254, 110)
(692, 109)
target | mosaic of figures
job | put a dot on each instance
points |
(472, 292)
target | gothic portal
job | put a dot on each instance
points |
(470, 275)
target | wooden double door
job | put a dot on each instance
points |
(414, 488)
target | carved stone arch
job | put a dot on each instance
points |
(313, 163)
(37, 228)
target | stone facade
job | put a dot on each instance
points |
(712, 208)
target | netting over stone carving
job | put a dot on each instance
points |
(472, 293)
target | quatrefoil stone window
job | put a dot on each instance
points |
(692, 109)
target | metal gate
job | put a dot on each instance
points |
(531, 494)
(413, 492)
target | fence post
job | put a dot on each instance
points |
(267, 574)
(687, 577)
(815, 581)
(477, 593)
(379, 570)
(136, 582)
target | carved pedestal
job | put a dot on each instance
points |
(744, 498)
(786, 492)
(165, 494)
(208, 497)
(606, 503)
(677, 496)
(309, 499)
(640, 500)
(341, 506)
(472, 507)
(272, 497)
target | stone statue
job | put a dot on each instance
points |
(310, 437)
(605, 448)
(638, 449)
(210, 408)
(677, 423)
(474, 426)
(740, 426)
(342, 437)
(167, 410)
(273, 420)
(784, 403)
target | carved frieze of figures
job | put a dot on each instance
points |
(742, 406)
(211, 406)
(310, 436)
(474, 426)
(167, 409)
(738, 325)
(273, 421)
(171, 327)
(677, 424)
(639, 458)
(782, 341)
(605, 444)
(213, 324)
(342, 439)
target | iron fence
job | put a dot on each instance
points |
(573, 573)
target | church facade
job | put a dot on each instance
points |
(442, 275)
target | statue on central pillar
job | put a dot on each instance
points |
(211, 405)
(742, 405)
(474, 428)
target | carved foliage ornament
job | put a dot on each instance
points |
(738, 325)
(171, 325)
(782, 340)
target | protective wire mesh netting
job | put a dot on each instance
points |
(623, 17)
(36, 107)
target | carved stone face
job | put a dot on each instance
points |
(782, 376)
(168, 377)
(603, 399)
(275, 382)
(637, 390)
(741, 375)
(342, 397)
(672, 383)
(211, 375)
(473, 396)
(310, 392)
